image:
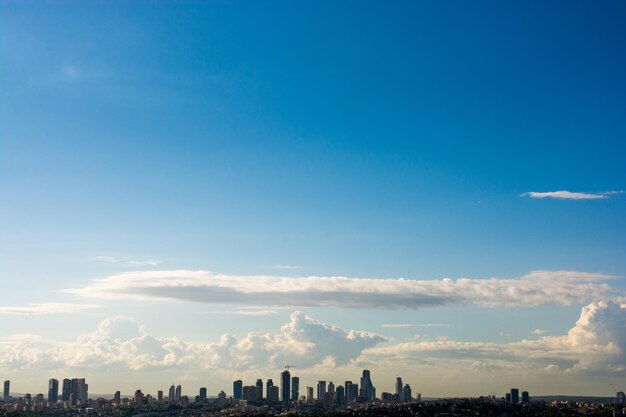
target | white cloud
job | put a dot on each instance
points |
(126, 261)
(256, 312)
(402, 325)
(396, 326)
(538, 332)
(569, 195)
(46, 308)
(287, 267)
(535, 288)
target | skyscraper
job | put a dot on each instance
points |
(525, 397)
(202, 394)
(341, 395)
(514, 395)
(117, 397)
(238, 389)
(286, 387)
(321, 390)
(259, 389)
(53, 391)
(309, 395)
(171, 394)
(160, 396)
(348, 386)
(179, 393)
(406, 393)
(367, 388)
(268, 386)
(7, 390)
(66, 391)
(399, 388)
(295, 388)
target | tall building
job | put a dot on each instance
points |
(399, 387)
(330, 395)
(171, 397)
(7, 391)
(514, 395)
(368, 390)
(341, 395)
(66, 390)
(249, 393)
(202, 395)
(273, 394)
(348, 386)
(285, 387)
(53, 391)
(309, 395)
(268, 386)
(138, 399)
(620, 398)
(295, 388)
(160, 396)
(321, 390)
(259, 389)
(525, 397)
(406, 394)
(179, 393)
(117, 398)
(238, 389)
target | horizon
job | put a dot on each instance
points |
(199, 192)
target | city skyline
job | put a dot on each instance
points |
(195, 193)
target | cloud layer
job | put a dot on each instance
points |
(535, 288)
(46, 308)
(569, 195)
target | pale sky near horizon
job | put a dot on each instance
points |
(196, 192)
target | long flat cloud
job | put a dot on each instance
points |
(535, 288)
(569, 195)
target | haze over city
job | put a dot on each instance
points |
(195, 193)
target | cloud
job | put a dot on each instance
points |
(568, 195)
(47, 308)
(538, 332)
(535, 288)
(120, 343)
(130, 262)
(395, 326)
(256, 312)
(287, 267)
(595, 345)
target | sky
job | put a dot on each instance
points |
(197, 192)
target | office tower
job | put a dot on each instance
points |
(39, 399)
(117, 397)
(138, 397)
(331, 394)
(620, 398)
(514, 395)
(348, 386)
(160, 396)
(406, 393)
(367, 388)
(399, 388)
(525, 397)
(7, 391)
(273, 394)
(179, 393)
(53, 391)
(309, 395)
(268, 386)
(259, 389)
(66, 390)
(221, 397)
(321, 390)
(238, 389)
(202, 394)
(171, 394)
(507, 397)
(295, 388)
(27, 399)
(285, 387)
(341, 395)
(249, 393)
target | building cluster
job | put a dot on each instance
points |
(325, 394)
(514, 398)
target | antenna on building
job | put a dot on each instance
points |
(289, 366)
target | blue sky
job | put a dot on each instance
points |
(359, 139)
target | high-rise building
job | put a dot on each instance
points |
(507, 397)
(341, 395)
(268, 386)
(399, 387)
(117, 397)
(348, 386)
(285, 387)
(138, 399)
(406, 394)
(238, 389)
(179, 393)
(160, 396)
(66, 390)
(309, 395)
(620, 398)
(321, 390)
(171, 396)
(249, 393)
(295, 388)
(368, 390)
(330, 397)
(259, 389)
(202, 394)
(7, 391)
(525, 397)
(514, 395)
(273, 394)
(53, 391)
